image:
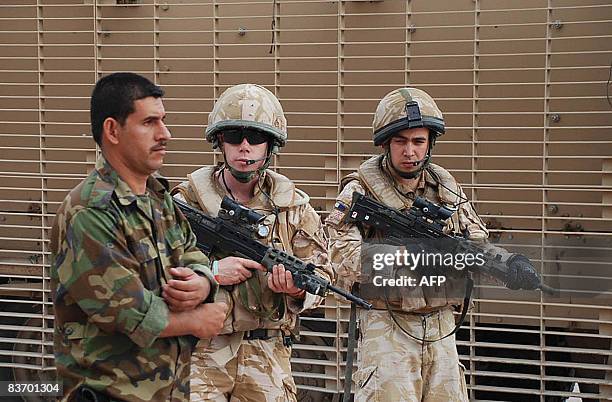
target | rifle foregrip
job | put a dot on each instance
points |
(274, 257)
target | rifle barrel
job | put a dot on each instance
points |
(350, 297)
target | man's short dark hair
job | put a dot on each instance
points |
(114, 96)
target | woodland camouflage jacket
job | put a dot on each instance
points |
(111, 252)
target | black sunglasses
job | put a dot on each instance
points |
(236, 135)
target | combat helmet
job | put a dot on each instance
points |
(405, 108)
(252, 107)
(248, 106)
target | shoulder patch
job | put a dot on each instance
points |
(343, 203)
(337, 214)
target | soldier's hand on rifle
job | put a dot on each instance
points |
(186, 290)
(233, 270)
(521, 273)
(208, 319)
(281, 281)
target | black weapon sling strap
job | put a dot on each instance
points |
(350, 350)
(469, 285)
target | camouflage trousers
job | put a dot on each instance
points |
(228, 368)
(394, 367)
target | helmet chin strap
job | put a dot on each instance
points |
(245, 177)
(242, 177)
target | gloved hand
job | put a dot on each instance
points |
(521, 273)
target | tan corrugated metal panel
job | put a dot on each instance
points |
(522, 84)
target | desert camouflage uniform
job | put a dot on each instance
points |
(392, 366)
(111, 252)
(229, 367)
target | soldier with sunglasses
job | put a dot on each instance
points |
(249, 360)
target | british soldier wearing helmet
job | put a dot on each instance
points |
(249, 360)
(407, 344)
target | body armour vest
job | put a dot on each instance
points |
(251, 303)
(378, 184)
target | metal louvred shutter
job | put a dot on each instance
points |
(523, 86)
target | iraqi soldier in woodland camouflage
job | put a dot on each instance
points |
(249, 361)
(402, 357)
(127, 280)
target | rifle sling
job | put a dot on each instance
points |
(350, 349)
(259, 310)
(469, 285)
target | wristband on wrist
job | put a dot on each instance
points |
(215, 269)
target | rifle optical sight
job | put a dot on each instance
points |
(431, 210)
(241, 213)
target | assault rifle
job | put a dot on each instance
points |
(234, 230)
(425, 220)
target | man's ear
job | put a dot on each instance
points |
(110, 130)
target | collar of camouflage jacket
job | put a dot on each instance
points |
(282, 190)
(379, 180)
(107, 181)
(376, 177)
(397, 180)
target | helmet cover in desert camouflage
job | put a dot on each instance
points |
(406, 108)
(248, 106)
